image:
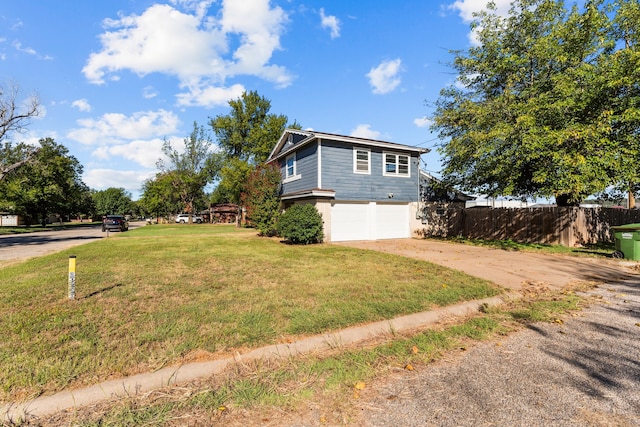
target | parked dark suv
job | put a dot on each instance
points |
(115, 222)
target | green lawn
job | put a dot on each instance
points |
(165, 294)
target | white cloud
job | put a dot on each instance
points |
(466, 9)
(144, 153)
(101, 179)
(81, 104)
(210, 96)
(422, 122)
(148, 92)
(196, 48)
(115, 126)
(330, 22)
(365, 131)
(28, 50)
(17, 25)
(384, 78)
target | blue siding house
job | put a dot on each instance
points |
(365, 189)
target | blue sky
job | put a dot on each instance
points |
(115, 78)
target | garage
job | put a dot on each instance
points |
(350, 221)
(391, 221)
(369, 221)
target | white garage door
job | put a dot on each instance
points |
(369, 221)
(392, 221)
(350, 221)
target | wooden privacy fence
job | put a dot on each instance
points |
(550, 225)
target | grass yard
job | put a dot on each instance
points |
(166, 294)
(330, 383)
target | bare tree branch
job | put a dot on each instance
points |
(5, 169)
(15, 117)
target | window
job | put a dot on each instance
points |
(290, 169)
(396, 165)
(361, 161)
(291, 166)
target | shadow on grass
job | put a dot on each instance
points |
(103, 290)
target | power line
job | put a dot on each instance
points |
(427, 141)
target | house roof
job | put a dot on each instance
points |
(311, 135)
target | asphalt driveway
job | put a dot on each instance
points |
(584, 372)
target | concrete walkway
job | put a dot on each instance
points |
(513, 270)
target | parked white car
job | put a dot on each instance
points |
(184, 218)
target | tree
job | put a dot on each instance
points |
(158, 197)
(246, 136)
(48, 184)
(15, 116)
(536, 115)
(622, 74)
(112, 201)
(262, 198)
(191, 170)
(234, 175)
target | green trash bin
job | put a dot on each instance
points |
(627, 241)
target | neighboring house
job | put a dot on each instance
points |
(435, 191)
(365, 189)
(8, 220)
(224, 213)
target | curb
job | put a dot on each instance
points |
(177, 375)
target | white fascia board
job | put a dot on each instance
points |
(310, 193)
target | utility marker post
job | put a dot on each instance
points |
(72, 277)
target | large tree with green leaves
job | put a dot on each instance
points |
(190, 169)
(49, 184)
(536, 112)
(621, 76)
(245, 136)
(158, 196)
(112, 201)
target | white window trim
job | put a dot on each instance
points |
(355, 161)
(397, 163)
(294, 176)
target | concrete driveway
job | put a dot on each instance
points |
(510, 269)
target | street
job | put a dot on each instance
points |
(15, 247)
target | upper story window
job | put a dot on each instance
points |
(290, 168)
(396, 165)
(361, 160)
